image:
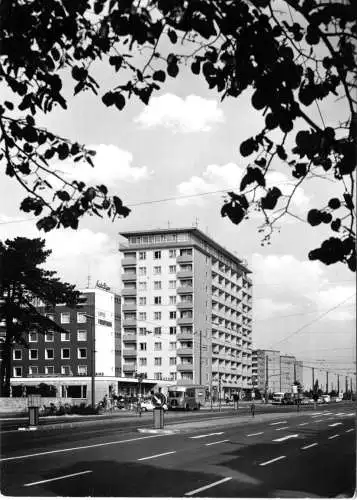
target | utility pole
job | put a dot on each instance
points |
(351, 387)
(346, 384)
(313, 377)
(338, 384)
(326, 382)
(200, 357)
(295, 372)
(266, 379)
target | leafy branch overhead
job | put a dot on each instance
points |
(292, 55)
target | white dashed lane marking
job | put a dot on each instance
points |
(217, 442)
(193, 492)
(206, 435)
(309, 446)
(156, 456)
(304, 423)
(255, 434)
(58, 478)
(272, 460)
(334, 436)
(284, 438)
(350, 430)
(277, 423)
(335, 424)
(282, 428)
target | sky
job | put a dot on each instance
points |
(170, 162)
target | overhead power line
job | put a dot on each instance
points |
(313, 321)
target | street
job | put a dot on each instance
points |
(274, 454)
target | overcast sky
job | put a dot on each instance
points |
(186, 142)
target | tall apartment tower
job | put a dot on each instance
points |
(266, 369)
(186, 310)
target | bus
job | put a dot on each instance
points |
(185, 397)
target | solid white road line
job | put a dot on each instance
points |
(286, 437)
(255, 434)
(193, 492)
(58, 478)
(282, 428)
(328, 413)
(77, 448)
(277, 423)
(334, 436)
(155, 456)
(339, 414)
(309, 446)
(304, 423)
(217, 442)
(335, 424)
(350, 430)
(350, 415)
(207, 435)
(317, 413)
(273, 460)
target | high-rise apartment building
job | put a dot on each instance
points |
(186, 309)
(287, 372)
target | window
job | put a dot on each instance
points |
(157, 254)
(173, 361)
(142, 331)
(66, 370)
(172, 314)
(157, 285)
(82, 370)
(17, 354)
(157, 346)
(49, 337)
(157, 330)
(81, 318)
(142, 346)
(173, 375)
(33, 370)
(82, 353)
(157, 270)
(49, 354)
(142, 285)
(158, 361)
(142, 271)
(65, 318)
(157, 300)
(65, 353)
(17, 371)
(142, 301)
(142, 316)
(172, 269)
(158, 376)
(33, 354)
(172, 253)
(49, 370)
(172, 330)
(82, 335)
(172, 284)
(65, 337)
(33, 337)
(172, 300)
(143, 361)
(172, 346)
(157, 315)
(142, 255)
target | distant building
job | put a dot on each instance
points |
(186, 310)
(287, 367)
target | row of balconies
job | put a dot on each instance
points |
(180, 259)
(132, 275)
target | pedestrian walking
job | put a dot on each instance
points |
(252, 409)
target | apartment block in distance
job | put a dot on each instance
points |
(67, 360)
(186, 310)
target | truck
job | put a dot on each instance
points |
(185, 397)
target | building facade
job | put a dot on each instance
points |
(186, 310)
(275, 372)
(89, 348)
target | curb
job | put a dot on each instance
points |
(158, 431)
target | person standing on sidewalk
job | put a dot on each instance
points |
(252, 408)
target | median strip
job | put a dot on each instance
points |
(193, 492)
(156, 456)
(58, 478)
(273, 460)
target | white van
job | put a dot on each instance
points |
(278, 398)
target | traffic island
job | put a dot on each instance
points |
(158, 424)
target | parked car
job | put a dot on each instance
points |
(306, 401)
(149, 406)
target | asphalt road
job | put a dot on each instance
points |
(306, 454)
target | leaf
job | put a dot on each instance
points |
(63, 195)
(234, 212)
(159, 76)
(119, 100)
(108, 98)
(103, 189)
(172, 70)
(247, 147)
(172, 35)
(271, 198)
